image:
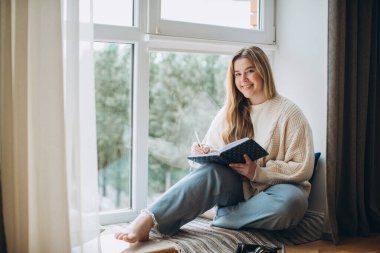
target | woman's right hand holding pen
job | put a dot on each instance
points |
(199, 149)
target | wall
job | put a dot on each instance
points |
(300, 70)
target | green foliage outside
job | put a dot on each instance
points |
(186, 91)
(113, 122)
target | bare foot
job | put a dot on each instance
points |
(138, 230)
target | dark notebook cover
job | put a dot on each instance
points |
(232, 153)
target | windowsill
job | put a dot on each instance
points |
(111, 245)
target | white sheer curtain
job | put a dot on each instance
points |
(80, 125)
(47, 126)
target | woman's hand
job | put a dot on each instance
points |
(199, 149)
(246, 169)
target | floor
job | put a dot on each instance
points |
(369, 244)
(358, 245)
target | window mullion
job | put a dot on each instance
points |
(154, 16)
(140, 127)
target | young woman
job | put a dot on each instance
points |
(270, 193)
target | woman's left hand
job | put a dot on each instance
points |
(246, 169)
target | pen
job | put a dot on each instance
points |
(196, 136)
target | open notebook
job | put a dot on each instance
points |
(232, 153)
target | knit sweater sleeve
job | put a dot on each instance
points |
(291, 151)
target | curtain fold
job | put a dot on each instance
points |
(4, 56)
(13, 129)
(353, 194)
(3, 244)
(46, 168)
(80, 126)
(47, 127)
(372, 158)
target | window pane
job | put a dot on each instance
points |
(113, 12)
(229, 13)
(113, 75)
(186, 90)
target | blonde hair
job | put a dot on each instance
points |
(237, 107)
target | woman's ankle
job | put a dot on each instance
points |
(147, 219)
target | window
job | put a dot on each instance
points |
(113, 72)
(250, 21)
(113, 12)
(186, 90)
(153, 91)
(210, 12)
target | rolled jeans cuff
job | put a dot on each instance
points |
(155, 223)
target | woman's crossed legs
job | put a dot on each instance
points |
(278, 207)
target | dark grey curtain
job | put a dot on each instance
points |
(353, 123)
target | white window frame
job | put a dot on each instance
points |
(143, 43)
(140, 110)
(264, 35)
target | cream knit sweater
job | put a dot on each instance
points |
(280, 128)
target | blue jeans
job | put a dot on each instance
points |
(278, 207)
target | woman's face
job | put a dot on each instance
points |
(248, 81)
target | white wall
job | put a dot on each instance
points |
(300, 70)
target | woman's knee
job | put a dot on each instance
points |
(291, 208)
(294, 208)
(223, 179)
